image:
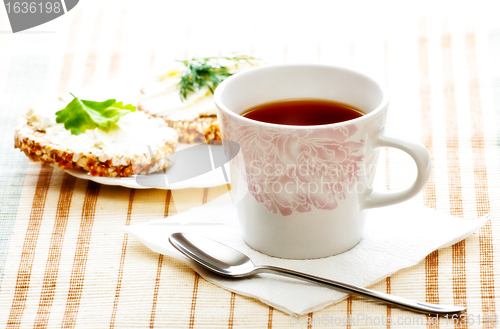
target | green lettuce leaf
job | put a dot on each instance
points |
(80, 115)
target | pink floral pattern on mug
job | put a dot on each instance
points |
(296, 170)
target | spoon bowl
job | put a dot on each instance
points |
(213, 255)
(229, 262)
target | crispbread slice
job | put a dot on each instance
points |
(199, 130)
(34, 144)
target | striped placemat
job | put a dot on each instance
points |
(64, 259)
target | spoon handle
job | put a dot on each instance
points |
(390, 299)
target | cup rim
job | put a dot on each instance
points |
(220, 89)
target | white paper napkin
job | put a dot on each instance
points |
(395, 237)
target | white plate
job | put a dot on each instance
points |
(159, 180)
(209, 179)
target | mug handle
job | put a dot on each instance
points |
(422, 159)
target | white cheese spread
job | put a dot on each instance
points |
(130, 137)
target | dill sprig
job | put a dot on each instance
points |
(206, 71)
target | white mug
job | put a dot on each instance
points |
(303, 192)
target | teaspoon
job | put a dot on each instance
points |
(229, 262)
